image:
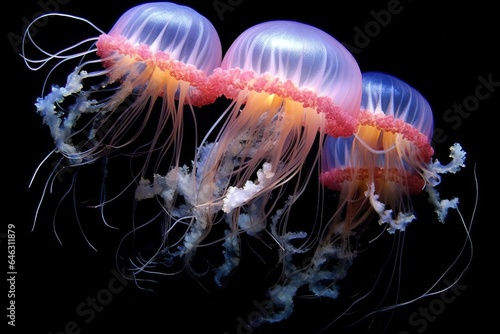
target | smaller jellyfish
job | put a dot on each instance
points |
(151, 64)
(375, 172)
(289, 84)
(389, 159)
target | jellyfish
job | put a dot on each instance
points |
(389, 159)
(134, 80)
(154, 50)
(289, 84)
(375, 172)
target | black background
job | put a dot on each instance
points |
(440, 49)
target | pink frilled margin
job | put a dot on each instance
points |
(201, 92)
(231, 82)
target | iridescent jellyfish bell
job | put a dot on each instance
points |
(290, 84)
